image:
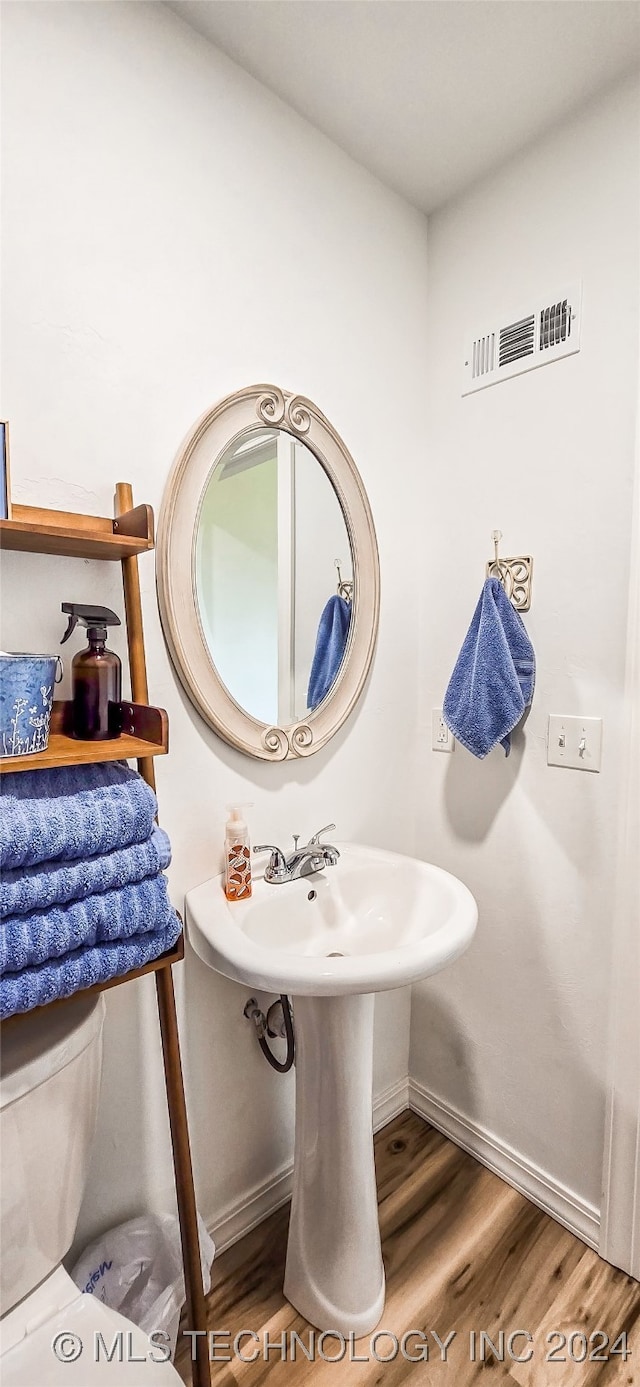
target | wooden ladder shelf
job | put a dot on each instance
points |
(145, 735)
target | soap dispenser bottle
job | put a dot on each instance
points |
(96, 675)
(237, 856)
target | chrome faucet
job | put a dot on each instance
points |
(302, 862)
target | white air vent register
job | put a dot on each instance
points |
(545, 331)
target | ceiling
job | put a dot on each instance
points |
(428, 94)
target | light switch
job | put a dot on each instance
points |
(574, 742)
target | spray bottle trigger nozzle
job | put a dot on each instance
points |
(94, 618)
(73, 621)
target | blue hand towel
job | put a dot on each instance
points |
(330, 646)
(46, 934)
(25, 889)
(35, 987)
(494, 676)
(71, 812)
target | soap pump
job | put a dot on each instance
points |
(237, 855)
(96, 674)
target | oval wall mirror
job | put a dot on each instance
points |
(268, 573)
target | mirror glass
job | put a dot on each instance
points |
(274, 576)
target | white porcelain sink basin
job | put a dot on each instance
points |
(374, 921)
(389, 919)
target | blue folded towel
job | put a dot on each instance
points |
(24, 889)
(494, 676)
(29, 939)
(35, 987)
(71, 812)
(330, 646)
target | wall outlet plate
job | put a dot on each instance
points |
(441, 738)
(574, 742)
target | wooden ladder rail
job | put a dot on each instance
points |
(182, 1164)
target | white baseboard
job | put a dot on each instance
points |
(556, 1199)
(536, 1184)
(390, 1103)
(244, 1214)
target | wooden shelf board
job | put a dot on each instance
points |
(66, 751)
(145, 733)
(34, 530)
(173, 955)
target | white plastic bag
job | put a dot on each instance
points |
(136, 1269)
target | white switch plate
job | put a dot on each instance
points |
(441, 738)
(574, 742)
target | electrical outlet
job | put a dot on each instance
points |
(441, 738)
(574, 742)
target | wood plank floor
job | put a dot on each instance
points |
(463, 1252)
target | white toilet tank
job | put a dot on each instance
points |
(49, 1083)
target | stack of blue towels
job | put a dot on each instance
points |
(82, 895)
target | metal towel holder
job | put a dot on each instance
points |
(345, 585)
(514, 574)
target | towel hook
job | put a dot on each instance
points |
(514, 574)
(345, 586)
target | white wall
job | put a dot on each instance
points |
(513, 1037)
(620, 1226)
(138, 288)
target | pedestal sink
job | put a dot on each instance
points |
(375, 921)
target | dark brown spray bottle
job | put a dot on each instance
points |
(96, 675)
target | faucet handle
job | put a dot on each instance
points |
(277, 862)
(328, 828)
(276, 869)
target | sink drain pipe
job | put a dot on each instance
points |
(264, 1027)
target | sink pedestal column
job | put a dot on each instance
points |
(334, 1274)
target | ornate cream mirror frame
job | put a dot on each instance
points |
(248, 409)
